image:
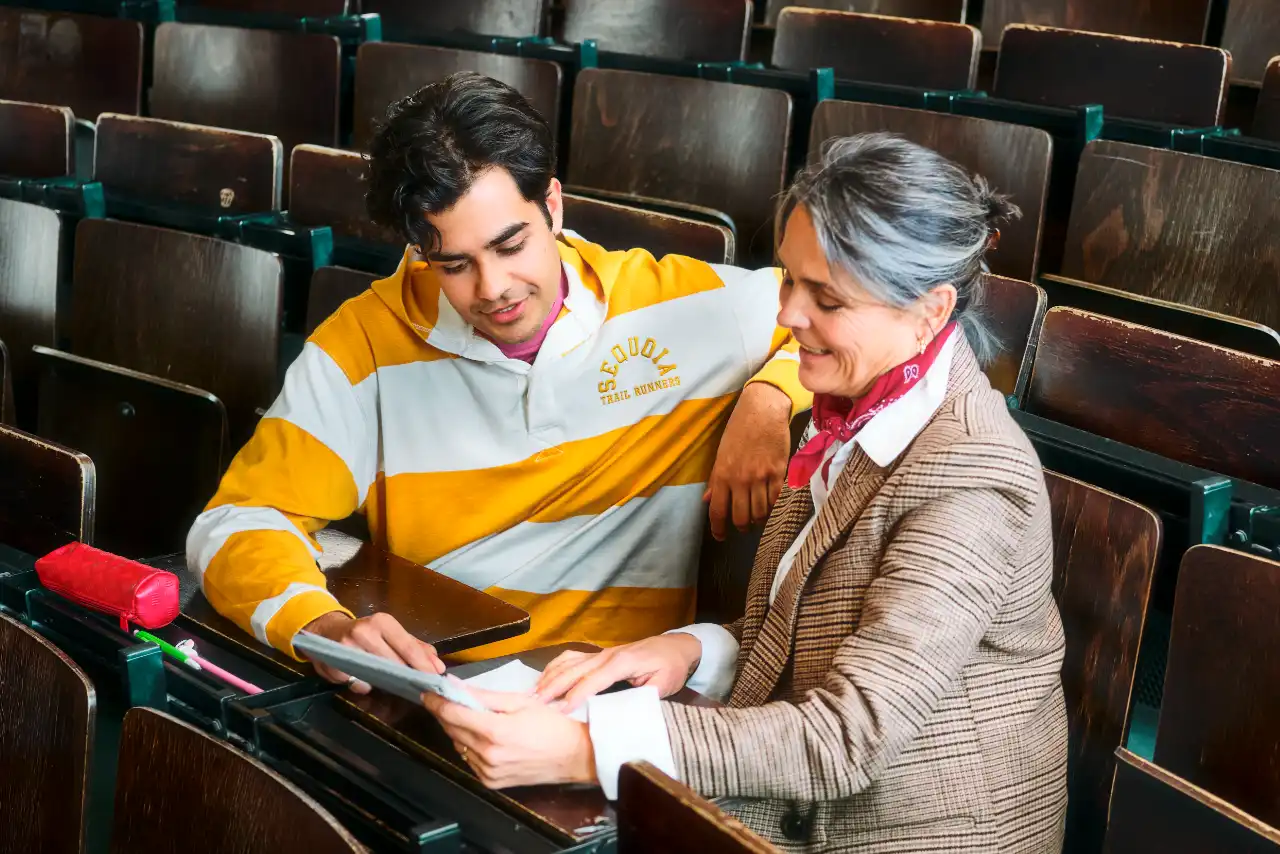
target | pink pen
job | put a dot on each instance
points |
(230, 679)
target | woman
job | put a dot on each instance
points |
(895, 679)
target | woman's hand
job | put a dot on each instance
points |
(521, 741)
(664, 661)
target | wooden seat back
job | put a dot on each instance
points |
(231, 172)
(878, 49)
(166, 766)
(928, 10)
(387, 72)
(1203, 405)
(1183, 228)
(47, 495)
(1105, 553)
(36, 140)
(31, 241)
(1015, 309)
(90, 65)
(1251, 33)
(1222, 683)
(657, 813)
(620, 227)
(188, 308)
(290, 8)
(1153, 809)
(1014, 159)
(158, 448)
(1173, 20)
(1266, 119)
(285, 84)
(48, 707)
(632, 134)
(406, 20)
(706, 31)
(1132, 78)
(327, 187)
(330, 288)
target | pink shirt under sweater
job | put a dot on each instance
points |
(528, 351)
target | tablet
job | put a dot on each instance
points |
(380, 673)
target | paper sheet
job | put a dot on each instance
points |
(518, 678)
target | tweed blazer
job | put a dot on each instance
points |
(903, 691)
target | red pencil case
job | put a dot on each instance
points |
(111, 584)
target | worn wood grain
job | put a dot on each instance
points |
(1174, 20)
(1251, 33)
(88, 64)
(929, 10)
(294, 8)
(1222, 684)
(617, 226)
(634, 133)
(1014, 159)
(188, 308)
(36, 140)
(285, 84)
(330, 288)
(327, 187)
(1266, 119)
(1105, 553)
(1179, 227)
(387, 72)
(1153, 809)
(231, 172)
(878, 48)
(158, 448)
(657, 813)
(410, 19)
(706, 31)
(47, 495)
(1132, 78)
(165, 766)
(1193, 402)
(47, 711)
(1014, 309)
(30, 243)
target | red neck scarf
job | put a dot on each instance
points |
(839, 419)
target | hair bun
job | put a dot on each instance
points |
(999, 208)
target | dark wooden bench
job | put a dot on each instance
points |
(1015, 310)
(1186, 400)
(36, 140)
(1015, 160)
(1192, 230)
(1153, 809)
(166, 766)
(878, 49)
(706, 31)
(47, 495)
(1105, 553)
(31, 243)
(285, 84)
(48, 707)
(620, 227)
(410, 19)
(89, 64)
(928, 10)
(1132, 78)
(232, 172)
(330, 288)
(327, 187)
(387, 72)
(657, 813)
(1222, 684)
(1266, 120)
(632, 134)
(1251, 33)
(291, 8)
(1174, 20)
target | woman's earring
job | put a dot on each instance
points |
(920, 341)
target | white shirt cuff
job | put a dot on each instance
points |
(719, 662)
(628, 726)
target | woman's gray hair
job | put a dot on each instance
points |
(902, 219)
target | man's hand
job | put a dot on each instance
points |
(663, 661)
(751, 464)
(380, 634)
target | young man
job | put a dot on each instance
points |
(515, 407)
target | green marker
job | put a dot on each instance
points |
(167, 648)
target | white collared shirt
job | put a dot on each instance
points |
(628, 726)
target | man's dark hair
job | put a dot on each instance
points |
(435, 143)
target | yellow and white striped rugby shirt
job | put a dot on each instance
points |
(570, 487)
